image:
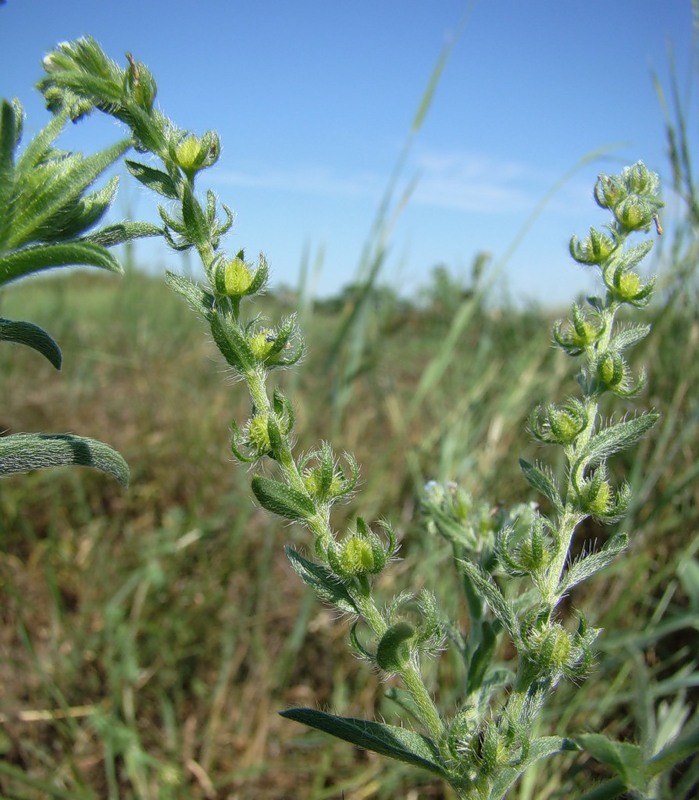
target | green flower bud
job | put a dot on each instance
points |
(315, 484)
(560, 425)
(599, 501)
(261, 343)
(627, 287)
(357, 555)
(611, 372)
(609, 191)
(258, 434)
(634, 214)
(640, 180)
(393, 652)
(579, 333)
(596, 248)
(462, 731)
(548, 648)
(193, 153)
(231, 278)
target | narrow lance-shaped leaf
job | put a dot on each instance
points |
(585, 567)
(232, 343)
(281, 499)
(8, 139)
(616, 438)
(47, 256)
(387, 740)
(21, 452)
(155, 179)
(326, 585)
(120, 232)
(492, 594)
(540, 480)
(33, 336)
(49, 200)
(197, 298)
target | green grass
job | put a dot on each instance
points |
(142, 654)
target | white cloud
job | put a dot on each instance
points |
(306, 179)
(456, 180)
(475, 182)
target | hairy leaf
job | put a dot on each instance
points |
(155, 179)
(282, 499)
(615, 438)
(387, 740)
(121, 232)
(47, 256)
(33, 336)
(21, 452)
(583, 568)
(197, 298)
(624, 758)
(326, 585)
(541, 480)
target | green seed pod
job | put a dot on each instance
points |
(393, 652)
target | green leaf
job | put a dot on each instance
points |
(583, 568)
(627, 259)
(624, 758)
(281, 499)
(492, 595)
(38, 148)
(193, 218)
(197, 298)
(47, 256)
(8, 142)
(387, 740)
(21, 452)
(543, 482)
(615, 438)
(33, 336)
(79, 216)
(122, 232)
(155, 179)
(46, 199)
(327, 586)
(232, 342)
(630, 335)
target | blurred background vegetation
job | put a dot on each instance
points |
(144, 647)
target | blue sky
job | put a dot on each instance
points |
(314, 101)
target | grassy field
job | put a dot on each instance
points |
(144, 651)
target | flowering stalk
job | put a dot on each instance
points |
(483, 747)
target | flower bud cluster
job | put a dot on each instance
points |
(632, 196)
(450, 511)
